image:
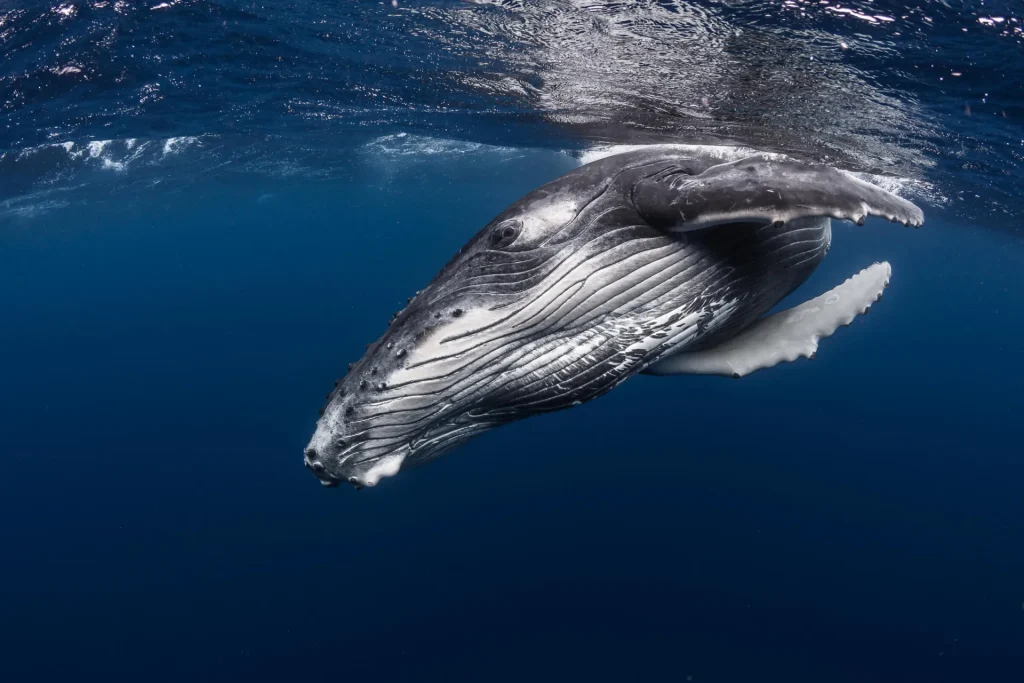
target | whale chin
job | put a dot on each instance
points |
(388, 466)
(358, 473)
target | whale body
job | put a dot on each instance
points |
(662, 260)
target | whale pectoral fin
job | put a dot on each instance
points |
(764, 189)
(786, 335)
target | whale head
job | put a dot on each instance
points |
(505, 330)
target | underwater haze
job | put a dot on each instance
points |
(208, 209)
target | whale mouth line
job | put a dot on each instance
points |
(330, 482)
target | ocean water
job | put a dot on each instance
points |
(207, 209)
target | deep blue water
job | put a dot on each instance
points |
(177, 297)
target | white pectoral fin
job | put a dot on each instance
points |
(786, 335)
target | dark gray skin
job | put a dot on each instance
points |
(578, 286)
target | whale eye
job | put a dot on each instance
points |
(504, 234)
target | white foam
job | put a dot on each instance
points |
(96, 147)
(100, 149)
(175, 145)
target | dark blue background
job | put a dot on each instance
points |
(855, 518)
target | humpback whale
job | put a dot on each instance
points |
(662, 261)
